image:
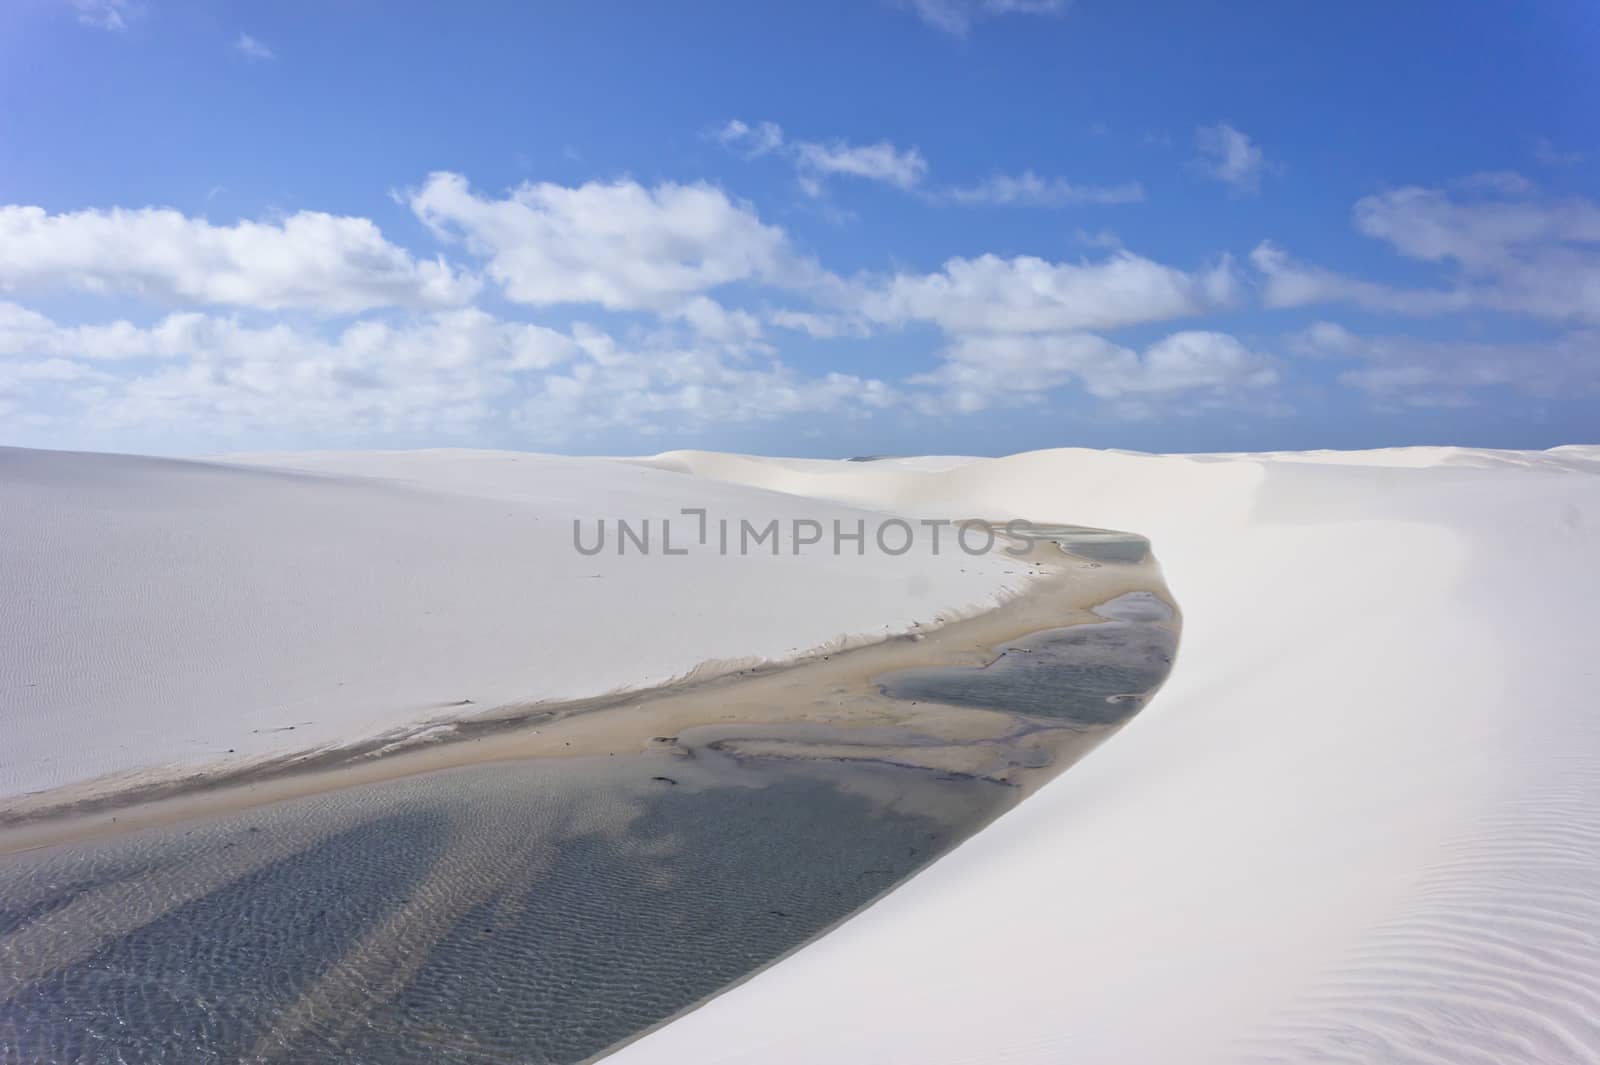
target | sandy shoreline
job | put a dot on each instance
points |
(748, 711)
(169, 618)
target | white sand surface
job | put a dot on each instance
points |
(1361, 823)
(159, 617)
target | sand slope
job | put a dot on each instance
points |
(1361, 823)
(159, 616)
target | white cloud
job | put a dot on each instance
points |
(620, 245)
(251, 48)
(902, 168)
(19, 378)
(1197, 360)
(27, 333)
(819, 326)
(107, 14)
(1029, 295)
(712, 321)
(1486, 235)
(309, 260)
(1323, 338)
(1515, 249)
(1290, 283)
(1508, 248)
(441, 338)
(1229, 156)
(1483, 234)
(686, 355)
(1546, 152)
(444, 372)
(1018, 329)
(1406, 371)
(1101, 238)
(757, 140)
(647, 389)
(956, 17)
(1503, 182)
(907, 169)
(1028, 189)
(817, 161)
(996, 370)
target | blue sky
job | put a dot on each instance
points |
(824, 228)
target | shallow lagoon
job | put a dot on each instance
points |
(536, 912)
(1085, 674)
(539, 911)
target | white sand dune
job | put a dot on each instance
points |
(159, 617)
(1360, 824)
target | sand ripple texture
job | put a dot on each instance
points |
(537, 912)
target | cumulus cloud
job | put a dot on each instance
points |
(1024, 294)
(1287, 282)
(1028, 189)
(619, 244)
(446, 371)
(1020, 328)
(267, 360)
(1229, 155)
(651, 388)
(1506, 247)
(694, 292)
(251, 48)
(823, 326)
(957, 17)
(984, 371)
(27, 333)
(440, 370)
(712, 321)
(309, 260)
(1483, 233)
(1514, 249)
(653, 253)
(1408, 371)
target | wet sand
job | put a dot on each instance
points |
(836, 690)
